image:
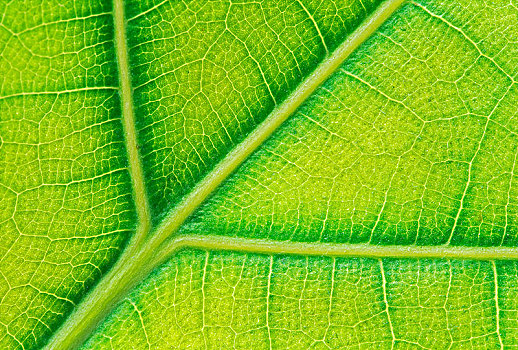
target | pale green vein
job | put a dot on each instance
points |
(385, 301)
(511, 176)
(142, 323)
(470, 168)
(128, 118)
(139, 259)
(129, 269)
(361, 250)
(315, 25)
(332, 291)
(203, 298)
(475, 45)
(40, 93)
(148, 10)
(61, 21)
(268, 294)
(497, 307)
(468, 183)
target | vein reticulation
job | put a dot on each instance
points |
(412, 141)
(64, 187)
(206, 73)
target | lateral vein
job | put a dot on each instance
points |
(128, 119)
(266, 246)
(497, 306)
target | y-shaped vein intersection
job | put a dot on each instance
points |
(141, 255)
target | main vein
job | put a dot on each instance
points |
(140, 257)
(273, 121)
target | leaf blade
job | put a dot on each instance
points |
(481, 213)
(314, 302)
(138, 260)
(66, 211)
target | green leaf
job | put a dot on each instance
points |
(274, 174)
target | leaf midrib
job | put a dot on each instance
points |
(148, 249)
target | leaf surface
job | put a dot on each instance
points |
(381, 213)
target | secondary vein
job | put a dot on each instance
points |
(128, 120)
(267, 246)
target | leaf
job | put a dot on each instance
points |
(381, 213)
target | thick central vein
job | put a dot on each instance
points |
(221, 172)
(140, 257)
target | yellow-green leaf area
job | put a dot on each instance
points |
(258, 174)
(64, 187)
(412, 141)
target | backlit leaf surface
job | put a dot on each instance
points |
(381, 214)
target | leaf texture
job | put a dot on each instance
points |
(65, 190)
(381, 214)
(233, 300)
(410, 142)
